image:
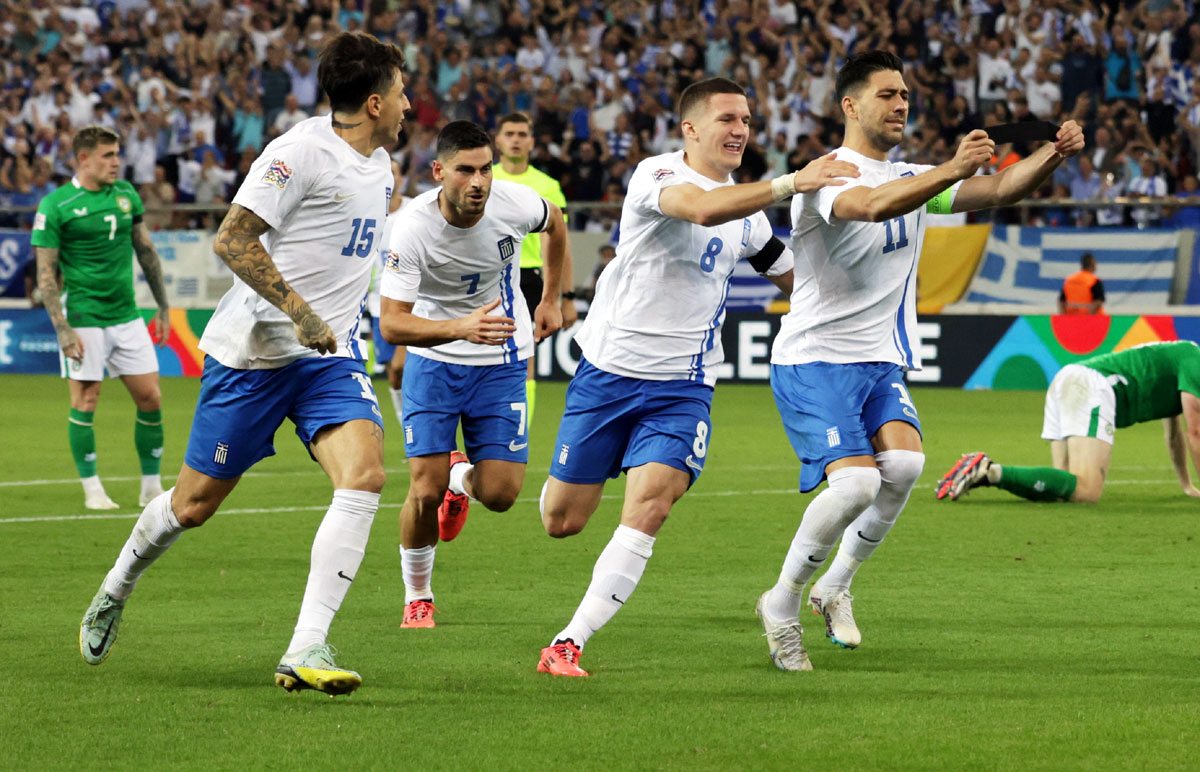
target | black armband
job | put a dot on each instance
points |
(568, 296)
(767, 256)
(137, 219)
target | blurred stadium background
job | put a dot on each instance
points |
(197, 88)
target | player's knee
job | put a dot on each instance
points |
(499, 499)
(900, 468)
(192, 512)
(857, 485)
(370, 480)
(564, 526)
(1087, 490)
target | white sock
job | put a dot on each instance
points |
(899, 470)
(337, 551)
(615, 577)
(851, 490)
(92, 485)
(156, 530)
(458, 474)
(151, 482)
(398, 404)
(416, 565)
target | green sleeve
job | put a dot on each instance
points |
(1189, 375)
(557, 198)
(45, 225)
(139, 208)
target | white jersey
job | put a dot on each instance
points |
(660, 304)
(326, 204)
(448, 272)
(855, 294)
(377, 274)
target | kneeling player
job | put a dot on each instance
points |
(1085, 404)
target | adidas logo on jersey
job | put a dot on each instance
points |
(832, 435)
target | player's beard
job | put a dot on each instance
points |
(881, 138)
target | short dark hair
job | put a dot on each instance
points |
(514, 117)
(1087, 261)
(859, 70)
(87, 138)
(461, 135)
(699, 92)
(355, 65)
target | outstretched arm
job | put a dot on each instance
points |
(147, 257)
(47, 284)
(899, 197)
(238, 247)
(1182, 441)
(1022, 178)
(733, 202)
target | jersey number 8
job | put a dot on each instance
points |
(708, 259)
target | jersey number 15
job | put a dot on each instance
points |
(362, 237)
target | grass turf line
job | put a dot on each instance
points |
(998, 634)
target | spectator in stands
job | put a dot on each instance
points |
(1150, 184)
(1082, 291)
(157, 196)
(607, 252)
(289, 116)
(1123, 70)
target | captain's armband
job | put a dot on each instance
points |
(942, 203)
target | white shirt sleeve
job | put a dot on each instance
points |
(277, 182)
(646, 185)
(401, 275)
(530, 209)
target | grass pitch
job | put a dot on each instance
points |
(998, 634)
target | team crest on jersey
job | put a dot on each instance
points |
(507, 247)
(278, 174)
(124, 204)
(662, 174)
(391, 262)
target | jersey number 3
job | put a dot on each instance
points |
(362, 237)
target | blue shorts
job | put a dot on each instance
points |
(613, 423)
(238, 411)
(832, 411)
(383, 350)
(488, 399)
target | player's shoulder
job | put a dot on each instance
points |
(417, 212)
(311, 138)
(662, 166)
(512, 192)
(125, 188)
(61, 193)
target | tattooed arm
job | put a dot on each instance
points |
(47, 283)
(147, 257)
(238, 246)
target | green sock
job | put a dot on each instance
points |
(530, 398)
(1037, 483)
(82, 437)
(148, 439)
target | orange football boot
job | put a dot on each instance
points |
(452, 514)
(561, 659)
(419, 613)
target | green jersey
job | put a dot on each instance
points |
(1148, 379)
(545, 186)
(92, 232)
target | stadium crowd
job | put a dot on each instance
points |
(197, 88)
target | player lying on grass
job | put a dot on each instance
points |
(1085, 404)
